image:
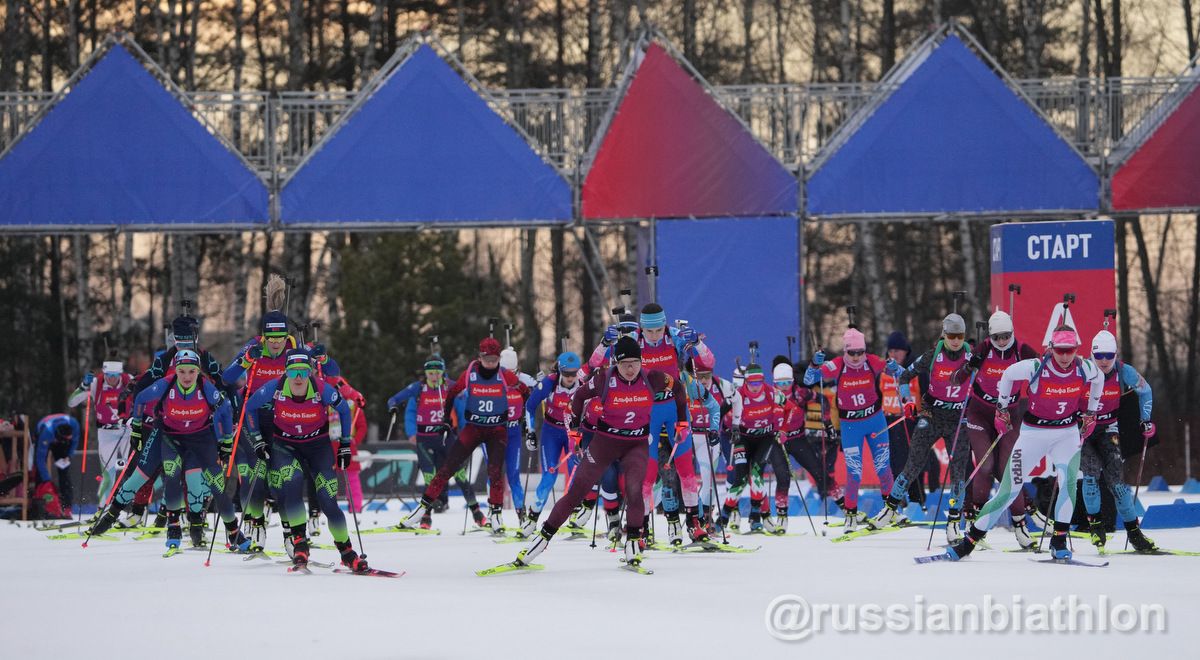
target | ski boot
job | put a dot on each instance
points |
(495, 520)
(426, 520)
(133, 517)
(1034, 515)
(1021, 531)
(1096, 532)
(633, 552)
(674, 531)
(477, 516)
(237, 541)
(647, 536)
(540, 541)
(582, 515)
(174, 535)
(299, 551)
(954, 532)
(256, 531)
(105, 521)
(441, 505)
(851, 525)
(1137, 539)
(734, 518)
(778, 524)
(890, 515)
(695, 525)
(529, 525)
(196, 529)
(613, 520)
(1058, 543)
(966, 544)
(314, 521)
(351, 559)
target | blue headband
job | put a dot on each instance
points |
(655, 320)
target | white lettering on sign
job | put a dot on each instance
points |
(1064, 246)
(997, 253)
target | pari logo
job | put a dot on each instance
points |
(1058, 246)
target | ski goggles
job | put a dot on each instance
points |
(956, 335)
(1104, 356)
(1064, 350)
(296, 371)
(783, 383)
(1001, 337)
(857, 352)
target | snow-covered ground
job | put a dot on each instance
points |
(120, 599)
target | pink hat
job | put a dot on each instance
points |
(854, 340)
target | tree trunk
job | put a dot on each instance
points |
(239, 63)
(375, 26)
(1189, 25)
(333, 279)
(970, 274)
(73, 34)
(530, 329)
(689, 30)
(1194, 315)
(347, 65)
(237, 308)
(1157, 333)
(887, 36)
(557, 276)
(81, 245)
(747, 73)
(125, 312)
(58, 344)
(47, 62)
(295, 44)
(871, 258)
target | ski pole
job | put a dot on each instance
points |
(391, 425)
(899, 419)
(1050, 513)
(1138, 487)
(799, 493)
(716, 500)
(353, 514)
(241, 417)
(87, 425)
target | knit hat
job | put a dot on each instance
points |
(627, 348)
(703, 364)
(1104, 342)
(274, 324)
(489, 346)
(112, 368)
(1064, 337)
(754, 372)
(782, 372)
(435, 363)
(853, 340)
(569, 362)
(183, 328)
(298, 358)
(999, 322)
(897, 341)
(187, 357)
(653, 317)
(954, 324)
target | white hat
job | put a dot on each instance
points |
(1104, 342)
(113, 367)
(1000, 322)
(782, 371)
(508, 359)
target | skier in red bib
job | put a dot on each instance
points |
(627, 393)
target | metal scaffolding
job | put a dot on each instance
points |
(275, 130)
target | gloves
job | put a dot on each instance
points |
(976, 360)
(893, 368)
(910, 410)
(1087, 423)
(343, 456)
(575, 439)
(1003, 421)
(688, 335)
(135, 436)
(818, 358)
(1148, 429)
(531, 440)
(225, 450)
(713, 437)
(87, 380)
(252, 350)
(261, 449)
(610, 335)
(63, 463)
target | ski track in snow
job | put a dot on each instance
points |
(123, 600)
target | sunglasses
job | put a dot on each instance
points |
(296, 373)
(1002, 336)
(856, 353)
(1064, 351)
(956, 335)
(569, 374)
(1104, 356)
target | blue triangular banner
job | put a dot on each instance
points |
(425, 148)
(119, 150)
(952, 138)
